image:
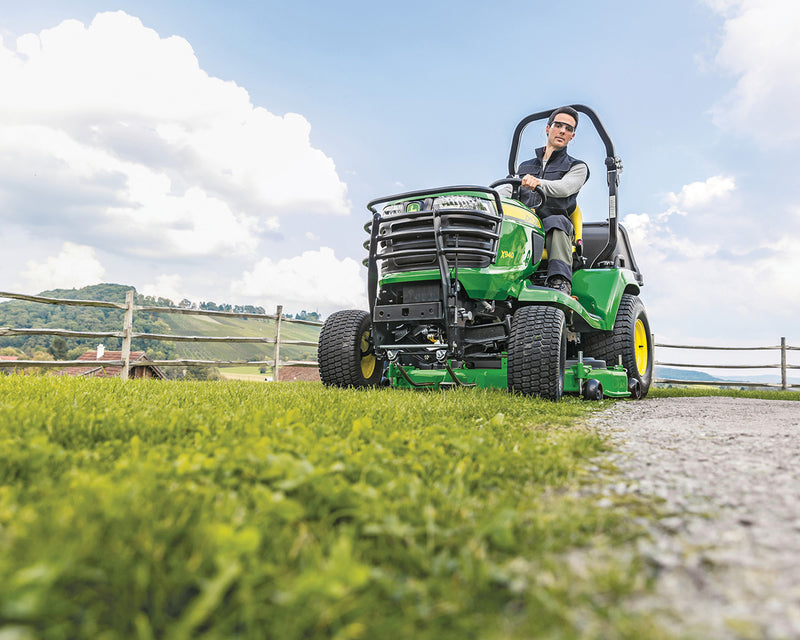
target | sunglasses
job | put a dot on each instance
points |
(563, 125)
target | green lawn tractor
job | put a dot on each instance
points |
(457, 297)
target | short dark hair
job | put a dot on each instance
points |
(568, 110)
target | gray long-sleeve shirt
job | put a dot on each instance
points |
(571, 183)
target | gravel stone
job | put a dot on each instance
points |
(726, 556)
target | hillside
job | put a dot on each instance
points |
(671, 373)
(21, 314)
(180, 324)
(684, 374)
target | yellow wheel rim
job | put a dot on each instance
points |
(367, 358)
(640, 345)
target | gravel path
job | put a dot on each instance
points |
(727, 556)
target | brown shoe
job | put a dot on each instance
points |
(560, 283)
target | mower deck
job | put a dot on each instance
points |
(614, 380)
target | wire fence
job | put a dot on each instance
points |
(127, 335)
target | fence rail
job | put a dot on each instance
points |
(127, 335)
(783, 365)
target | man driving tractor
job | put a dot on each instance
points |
(456, 295)
(561, 177)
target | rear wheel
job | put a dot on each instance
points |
(346, 354)
(537, 352)
(631, 340)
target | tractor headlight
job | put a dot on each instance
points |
(464, 202)
(394, 209)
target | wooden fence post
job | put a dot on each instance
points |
(277, 352)
(127, 326)
(783, 364)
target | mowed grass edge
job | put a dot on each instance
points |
(152, 509)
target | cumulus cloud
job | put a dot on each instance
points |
(111, 131)
(698, 262)
(699, 193)
(720, 298)
(655, 234)
(74, 267)
(315, 280)
(168, 286)
(761, 48)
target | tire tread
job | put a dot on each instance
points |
(338, 352)
(535, 352)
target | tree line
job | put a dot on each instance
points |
(23, 314)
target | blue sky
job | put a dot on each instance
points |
(226, 151)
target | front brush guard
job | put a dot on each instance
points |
(447, 225)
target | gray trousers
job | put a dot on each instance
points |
(559, 253)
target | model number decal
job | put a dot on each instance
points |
(506, 254)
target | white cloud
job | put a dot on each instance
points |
(698, 194)
(698, 203)
(761, 47)
(74, 267)
(705, 276)
(168, 286)
(740, 300)
(110, 131)
(315, 280)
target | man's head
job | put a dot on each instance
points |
(561, 127)
(566, 110)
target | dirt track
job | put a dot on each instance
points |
(727, 556)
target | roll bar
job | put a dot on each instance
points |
(613, 169)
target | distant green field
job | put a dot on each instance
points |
(212, 326)
(254, 371)
(152, 509)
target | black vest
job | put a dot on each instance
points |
(557, 166)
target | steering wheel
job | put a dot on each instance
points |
(516, 183)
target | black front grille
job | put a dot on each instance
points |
(407, 241)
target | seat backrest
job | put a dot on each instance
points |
(577, 222)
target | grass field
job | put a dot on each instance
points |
(230, 509)
(694, 392)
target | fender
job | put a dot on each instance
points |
(599, 290)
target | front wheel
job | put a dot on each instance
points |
(537, 352)
(630, 340)
(346, 354)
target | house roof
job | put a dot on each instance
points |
(111, 371)
(9, 358)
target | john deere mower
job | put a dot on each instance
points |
(457, 298)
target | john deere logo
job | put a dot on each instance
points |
(412, 207)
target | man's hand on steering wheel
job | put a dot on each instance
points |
(529, 182)
(516, 183)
